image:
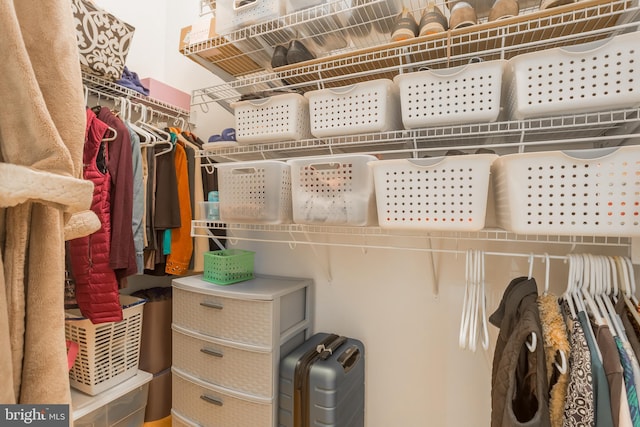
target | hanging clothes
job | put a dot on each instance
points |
(556, 340)
(123, 252)
(96, 284)
(579, 409)
(629, 383)
(612, 368)
(519, 393)
(137, 216)
(601, 395)
(181, 243)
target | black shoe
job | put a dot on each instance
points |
(405, 27)
(298, 53)
(279, 58)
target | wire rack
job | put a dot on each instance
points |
(532, 30)
(113, 90)
(587, 130)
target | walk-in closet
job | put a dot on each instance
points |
(452, 188)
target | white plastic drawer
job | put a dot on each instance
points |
(247, 371)
(211, 406)
(243, 321)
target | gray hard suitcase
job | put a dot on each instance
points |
(322, 383)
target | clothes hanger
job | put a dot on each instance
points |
(483, 302)
(547, 270)
(464, 325)
(569, 290)
(609, 288)
(473, 328)
(533, 343)
(146, 138)
(163, 137)
(562, 366)
(632, 279)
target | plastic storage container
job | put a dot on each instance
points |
(255, 192)
(440, 193)
(584, 192)
(233, 14)
(108, 352)
(595, 76)
(278, 118)
(120, 406)
(333, 190)
(228, 266)
(466, 94)
(372, 106)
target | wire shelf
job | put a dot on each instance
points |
(589, 129)
(113, 90)
(565, 25)
(364, 237)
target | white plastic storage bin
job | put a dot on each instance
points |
(595, 76)
(333, 190)
(466, 94)
(283, 117)
(108, 353)
(372, 106)
(440, 193)
(234, 14)
(122, 405)
(584, 192)
(256, 192)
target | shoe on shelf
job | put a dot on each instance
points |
(298, 52)
(547, 4)
(462, 15)
(405, 27)
(279, 58)
(433, 20)
(503, 9)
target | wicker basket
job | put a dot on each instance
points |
(108, 352)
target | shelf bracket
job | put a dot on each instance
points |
(314, 248)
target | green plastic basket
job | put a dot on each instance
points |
(228, 266)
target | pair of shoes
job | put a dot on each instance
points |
(503, 9)
(294, 53)
(462, 15)
(432, 21)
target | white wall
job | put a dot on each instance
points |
(154, 52)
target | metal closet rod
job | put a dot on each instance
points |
(293, 243)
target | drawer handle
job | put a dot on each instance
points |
(211, 399)
(209, 304)
(211, 352)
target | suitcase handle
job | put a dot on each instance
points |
(349, 358)
(211, 352)
(327, 351)
(209, 304)
(211, 399)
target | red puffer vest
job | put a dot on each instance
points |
(96, 283)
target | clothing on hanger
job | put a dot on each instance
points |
(612, 368)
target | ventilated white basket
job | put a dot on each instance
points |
(283, 117)
(583, 192)
(466, 94)
(231, 16)
(256, 192)
(372, 106)
(595, 76)
(333, 190)
(108, 353)
(440, 193)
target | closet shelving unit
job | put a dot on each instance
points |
(109, 89)
(532, 30)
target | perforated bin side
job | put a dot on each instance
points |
(583, 192)
(442, 193)
(595, 76)
(283, 117)
(372, 106)
(466, 94)
(257, 192)
(333, 190)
